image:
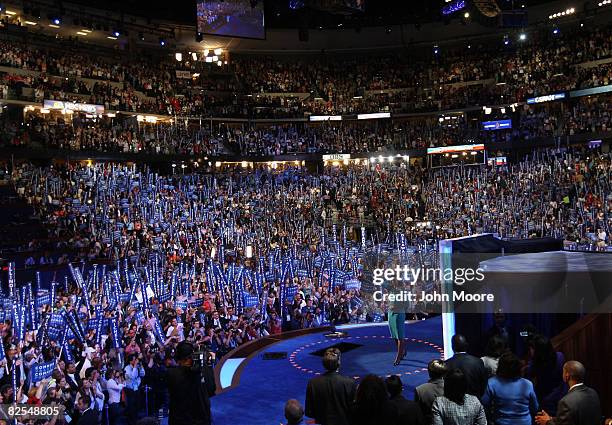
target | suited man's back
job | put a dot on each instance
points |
(474, 370)
(426, 393)
(580, 406)
(329, 397)
(400, 411)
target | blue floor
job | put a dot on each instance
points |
(265, 385)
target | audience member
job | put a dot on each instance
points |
(329, 397)
(456, 406)
(472, 367)
(580, 406)
(510, 399)
(398, 410)
(425, 394)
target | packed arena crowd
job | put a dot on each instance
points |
(125, 134)
(133, 260)
(146, 261)
(480, 75)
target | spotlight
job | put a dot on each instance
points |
(141, 36)
(388, 30)
(523, 36)
(56, 21)
(466, 15)
(116, 33)
(436, 50)
(556, 31)
(162, 42)
(296, 4)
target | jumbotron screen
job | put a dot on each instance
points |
(231, 18)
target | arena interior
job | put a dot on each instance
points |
(333, 212)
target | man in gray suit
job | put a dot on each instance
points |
(329, 396)
(580, 406)
(425, 394)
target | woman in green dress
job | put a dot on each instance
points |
(397, 319)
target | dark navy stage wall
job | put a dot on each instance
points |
(478, 327)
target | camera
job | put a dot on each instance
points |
(201, 360)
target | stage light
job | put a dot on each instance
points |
(563, 13)
(436, 50)
(194, 56)
(218, 51)
(11, 13)
(178, 56)
(556, 31)
(466, 15)
(54, 26)
(84, 33)
(110, 37)
(116, 33)
(30, 23)
(523, 36)
(162, 42)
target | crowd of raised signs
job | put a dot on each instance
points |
(336, 84)
(224, 258)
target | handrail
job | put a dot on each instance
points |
(589, 340)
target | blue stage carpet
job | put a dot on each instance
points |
(265, 385)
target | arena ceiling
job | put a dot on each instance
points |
(279, 14)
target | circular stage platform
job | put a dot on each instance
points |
(264, 381)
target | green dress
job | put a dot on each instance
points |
(397, 324)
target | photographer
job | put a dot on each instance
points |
(190, 387)
(114, 385)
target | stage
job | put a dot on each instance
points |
(256, 389)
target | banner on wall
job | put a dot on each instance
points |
(73, 106)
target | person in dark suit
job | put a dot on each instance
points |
(330, 396)
(88, 416)
(426, 393)
(398, 410)
(472, 367)
(580, 406)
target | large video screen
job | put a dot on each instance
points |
(231, 18)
